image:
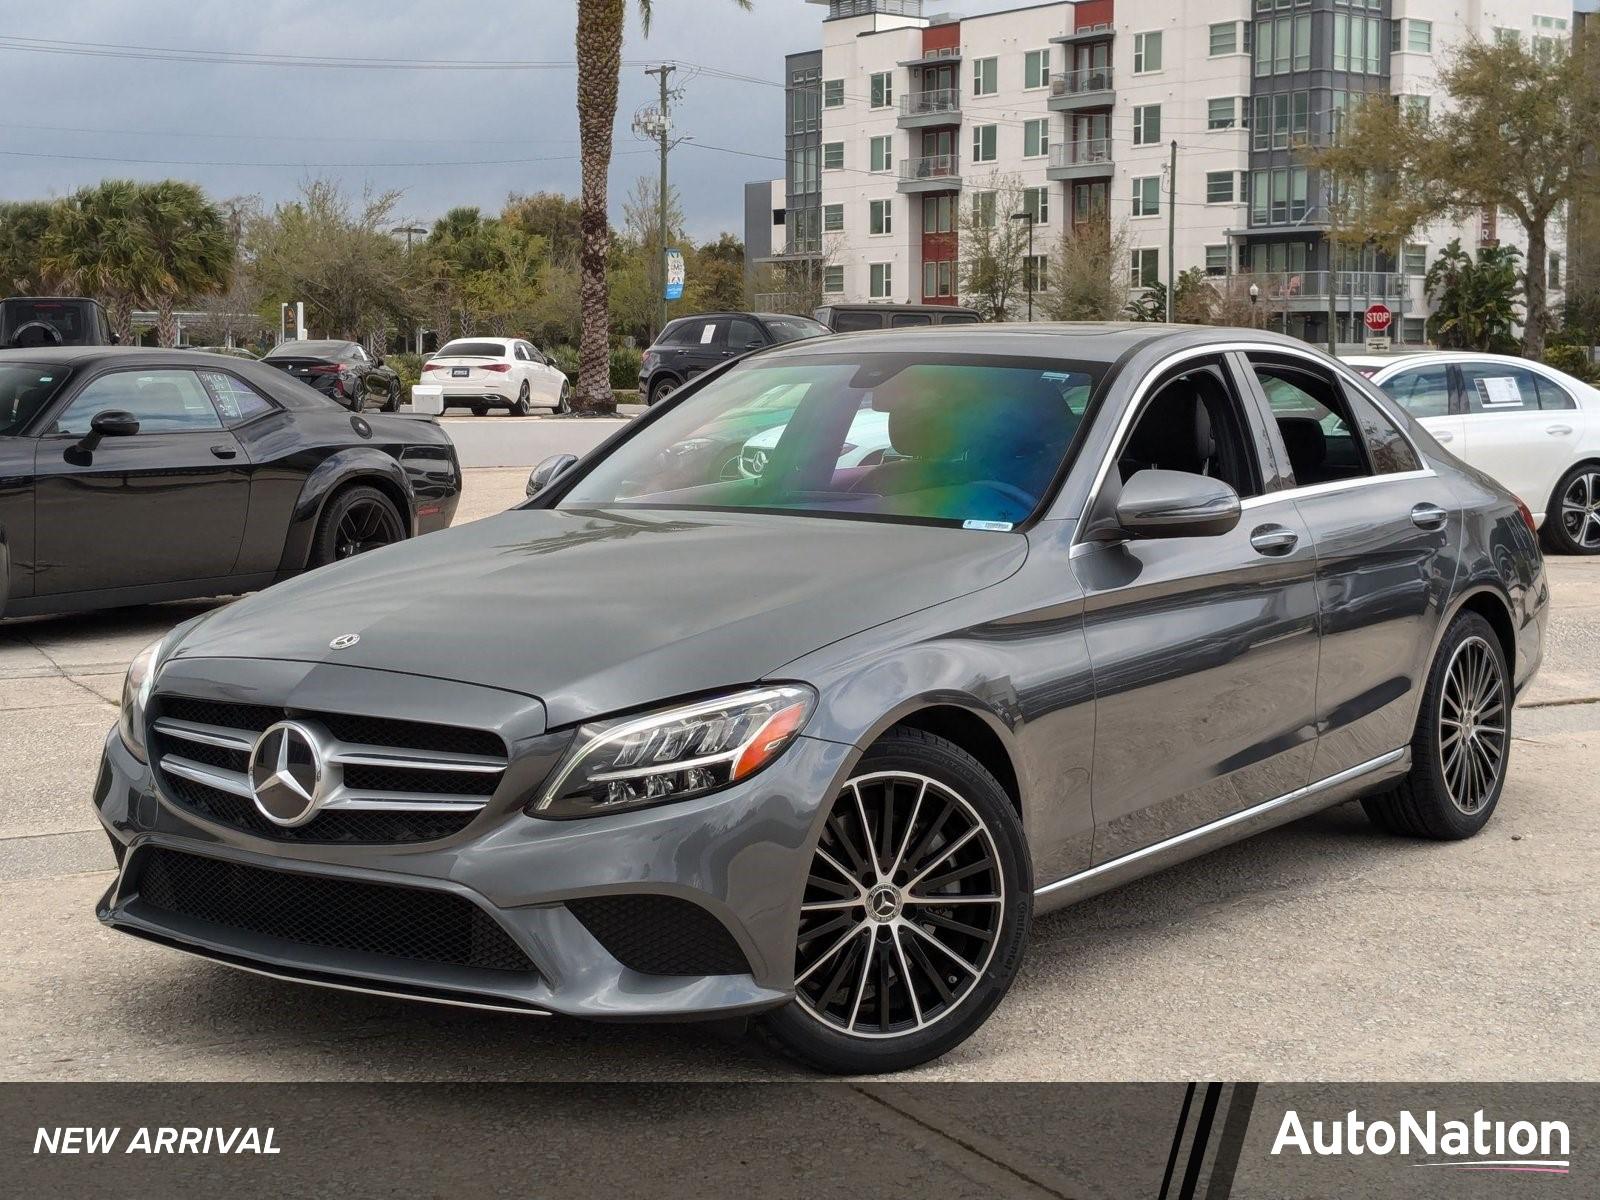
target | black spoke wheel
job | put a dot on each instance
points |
(391, 402)
(1462, 744)
(914, 911)
(356, 521)
(1572, 524)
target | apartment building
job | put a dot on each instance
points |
(906, 119)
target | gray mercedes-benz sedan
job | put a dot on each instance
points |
(1006, 616)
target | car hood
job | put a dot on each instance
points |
(599, 611)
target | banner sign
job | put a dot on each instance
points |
(675, 274)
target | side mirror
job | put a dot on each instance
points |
(116, 339)
(548, 471)
(755, 345)
(1168, 504)
(111, 423)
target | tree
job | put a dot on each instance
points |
(637, 251)
(556, 218)
(1234, 308)
(993, 248)
(92, 244)
(1088, 273)
(186, 250)
(599, 49)
(1476, 301)
(23, 226)
(716, 275)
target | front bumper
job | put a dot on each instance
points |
(740, 856)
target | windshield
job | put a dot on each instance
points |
(794, 329)
(935, 439)
(24, 390)
(473, 350)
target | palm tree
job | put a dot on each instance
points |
(23, 225)
(186, 249)
(93, 245)
(600, 24)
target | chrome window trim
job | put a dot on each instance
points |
(1336, 485)
(1141, 394)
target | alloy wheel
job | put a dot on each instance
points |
(1580, 510)
(366, 525)
(902, 909)
(1472, 725)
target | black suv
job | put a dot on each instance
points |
(28, 322)
(690, 345)
(853, 318)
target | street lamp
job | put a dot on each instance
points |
(1030, 272)
(1255, 298)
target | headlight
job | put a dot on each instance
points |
(135, 695)
(675, 754)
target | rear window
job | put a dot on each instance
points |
(311, 350)
(24, 391)
(473, 350)
(26, 323)
(794, 329)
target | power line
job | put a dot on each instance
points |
(284, 137)
(330, 166)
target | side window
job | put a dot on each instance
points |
(1424, 392)
(959, 319)
(235, 399)
(743, 334)
(684, 333)
(1315, 422)
(850, 322)
(1551, 394)
(521, 352)
(164, 402)
(357, 354)
(906, 320)
(1194, 423)
(1499, 388)
(1387, 447)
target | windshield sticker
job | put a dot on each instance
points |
(990, 526)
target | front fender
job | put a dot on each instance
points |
(358, 463)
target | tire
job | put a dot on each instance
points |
(342, 528)
(1456, 779)
(564, 402)
(941, 793)
(1572, 519)
(391, 402)
(480, 410)
(520, 407)
(660, 390)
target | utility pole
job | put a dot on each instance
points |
(1172, 230)
(661, 129)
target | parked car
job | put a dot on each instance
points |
(855, 318)
(342, 371)
(30, 322)
(816, 745)
(689, 346)
(485, 373)
(1529, 426)
(142, 475)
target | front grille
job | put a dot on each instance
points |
(661, 935)
(389, 781)
(337, 914)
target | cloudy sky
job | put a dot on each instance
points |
(262, 129)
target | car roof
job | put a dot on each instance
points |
(77, 356)
(504, 341)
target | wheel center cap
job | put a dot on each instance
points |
(883, 903)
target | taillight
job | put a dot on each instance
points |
(1527, 516)
(326, 369)
(648, 361)
(497, 368)
(426, 367)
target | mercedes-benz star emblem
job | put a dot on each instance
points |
(287, 773)
(344, 641)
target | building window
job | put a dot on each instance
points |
(1552, 276)
(804, 169)
(1036, 273)
(832, 280)
(833, 156)
(983, 143)
(1225, 38)
(1219, 187)
(833, 93)
(1146, 124)
(1415, 260)
(882, 150)
(1415, 108)
(1264, 47)
(1089, 201)
(882, 89)
(833, 218)
(805, 102)
(880, 217)
(1413, 330)
(1220, 112)
(882, 281)
(1036, 69)
(1302, 42)
(1146, 53)
(1147, 196)
(1036, 203)
(1035, 138)
(1419, 36)
(938, 213)
(938, 280)
(986, 77)
(983, 209)
(1217, 260)
(1507, 37)
(1146, 271)
(1258, 197)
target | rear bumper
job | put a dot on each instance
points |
(463, 394)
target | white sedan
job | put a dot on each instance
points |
(485, 373)
(1526, 425)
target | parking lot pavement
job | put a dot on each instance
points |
(1321, 950)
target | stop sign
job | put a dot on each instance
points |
(1378, 318)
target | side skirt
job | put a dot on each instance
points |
(1291, 806)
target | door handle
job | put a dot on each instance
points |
(1444, 435)
(1428, 516)
(1558, 430)
(1274, 540)
(224, 452)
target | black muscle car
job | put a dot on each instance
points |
(130, 476)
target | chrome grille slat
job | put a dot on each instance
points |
(207, 735)
(380, 756)
(420, 802)
(224, 781)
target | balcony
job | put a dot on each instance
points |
(1307, 291)
(937, 106)
(1088, 159)
(931, 173)
(1090, 87)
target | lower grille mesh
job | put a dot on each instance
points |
(340, 914)
(661, 935)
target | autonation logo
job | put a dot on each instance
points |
(1478, 1144)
